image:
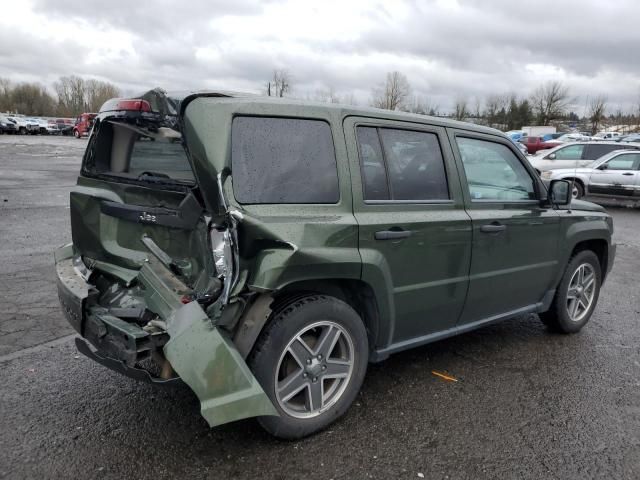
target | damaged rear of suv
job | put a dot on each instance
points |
(152, 264)
(263, 251)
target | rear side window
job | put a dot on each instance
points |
(594, 152)
(401, 165)
(283, 160)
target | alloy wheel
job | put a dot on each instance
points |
(581, 292)
(314, 369)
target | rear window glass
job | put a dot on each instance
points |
(283, 160)
(136, 153)
(160, 155)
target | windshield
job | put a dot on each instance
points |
(147, 155)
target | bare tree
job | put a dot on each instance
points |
(422, 105)
(71, 95)
(494, 107)
(32, 99)
(98, 92)
(5, 94)
(279, 84)
(461, 110)
(597, 112)
(327, 96)
(550, 101)
(349, 99)
(477, 108)
(393, 94)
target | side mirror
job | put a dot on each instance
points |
(560, 192)
(551, 156)
(604, 166)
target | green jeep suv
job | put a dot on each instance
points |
(264, 251)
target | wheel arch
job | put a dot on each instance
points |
(354, 292)
(598, 246)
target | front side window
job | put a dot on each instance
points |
(494, 172)
(283, 160)
(570, 152)
(624, 162)
(411, 167)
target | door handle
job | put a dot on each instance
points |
(493, 228)
(392, 234)
(628, 174)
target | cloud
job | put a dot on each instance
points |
(447, 48)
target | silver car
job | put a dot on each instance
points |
(576, 154)
(615, 175)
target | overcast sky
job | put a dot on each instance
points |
(446, 48)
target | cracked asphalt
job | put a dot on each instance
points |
(527, 404)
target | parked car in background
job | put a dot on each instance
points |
(83, 125)
(538, 130)
(534, 144)
(614, 175)
(25, 125)
(522, 148)
(551, 136)
(573, 137)
(269, 292)
(576, 154)
(43, 127)
(515, 135)
(65, 126)
(7, 125)
(632, 137)
(606, 136)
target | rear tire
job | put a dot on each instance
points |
(311, 360)
(76, 133)
(577, 294)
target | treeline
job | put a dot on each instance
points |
(548, 104)
(73, 95)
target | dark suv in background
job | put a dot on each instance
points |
(264, 251)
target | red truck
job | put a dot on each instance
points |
(534, 144)
(83, 125)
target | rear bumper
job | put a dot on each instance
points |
(202, 355)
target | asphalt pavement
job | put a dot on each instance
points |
(527, 403)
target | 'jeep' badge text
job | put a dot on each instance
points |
(146, 217)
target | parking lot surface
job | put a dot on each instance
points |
(527, 403)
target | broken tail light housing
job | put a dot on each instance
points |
(135, 105)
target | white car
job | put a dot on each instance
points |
(576, 154)
(573, 137)
(45, 127)
(606, 136)
(615, 175)
(25, 125)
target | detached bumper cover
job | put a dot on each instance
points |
(202, 355)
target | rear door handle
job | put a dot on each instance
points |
(392, 234)
(628, 174)
(493, 228)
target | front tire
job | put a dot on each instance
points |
(311, 360)
(578, 191)
(576, 295)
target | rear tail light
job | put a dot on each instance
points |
(133, 105)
